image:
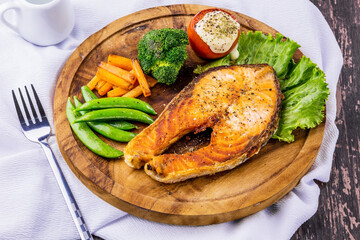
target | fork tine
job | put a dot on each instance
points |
(25, 107)
(31, 105)
(18, 110)
(41, 109)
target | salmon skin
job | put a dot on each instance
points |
(240, 103)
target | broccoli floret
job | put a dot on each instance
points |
(162, 53)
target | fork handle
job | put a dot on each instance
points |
(66, 192)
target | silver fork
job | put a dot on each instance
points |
(38, 131)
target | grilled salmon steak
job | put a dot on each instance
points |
(240, 103)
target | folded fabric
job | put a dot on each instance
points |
(31, 204)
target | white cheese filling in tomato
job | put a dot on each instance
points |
(218, 30)
(234, 54)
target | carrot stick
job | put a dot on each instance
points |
(105, 88)
(117, 92)
(137, 82)
(126, 75)
(152, 81)
(113, 79)
(119, 61)
(100, 84)
(136, 91)
(93, 82)
(133, 93)
(141, 78)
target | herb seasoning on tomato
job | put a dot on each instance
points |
(213, 33)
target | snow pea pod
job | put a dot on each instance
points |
(117, 102)
(88, 137)
(89, 95)
(107, 130)
(115, 114)
(123, 125)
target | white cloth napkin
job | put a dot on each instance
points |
(31, 205)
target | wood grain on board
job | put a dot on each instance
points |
(225, 196)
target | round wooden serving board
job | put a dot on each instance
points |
(225, 196)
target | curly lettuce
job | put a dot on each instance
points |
(256, 47)
(305, 92)
(225, 61)
(302, 84)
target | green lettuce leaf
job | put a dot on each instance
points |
(256, 47)
(305, 92)
(225, 61)
(298, 74)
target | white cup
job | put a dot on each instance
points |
(42, 22)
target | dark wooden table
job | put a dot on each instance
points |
(338, 215)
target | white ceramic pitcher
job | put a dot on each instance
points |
(42, 22)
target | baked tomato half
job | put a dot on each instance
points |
(213, 33)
